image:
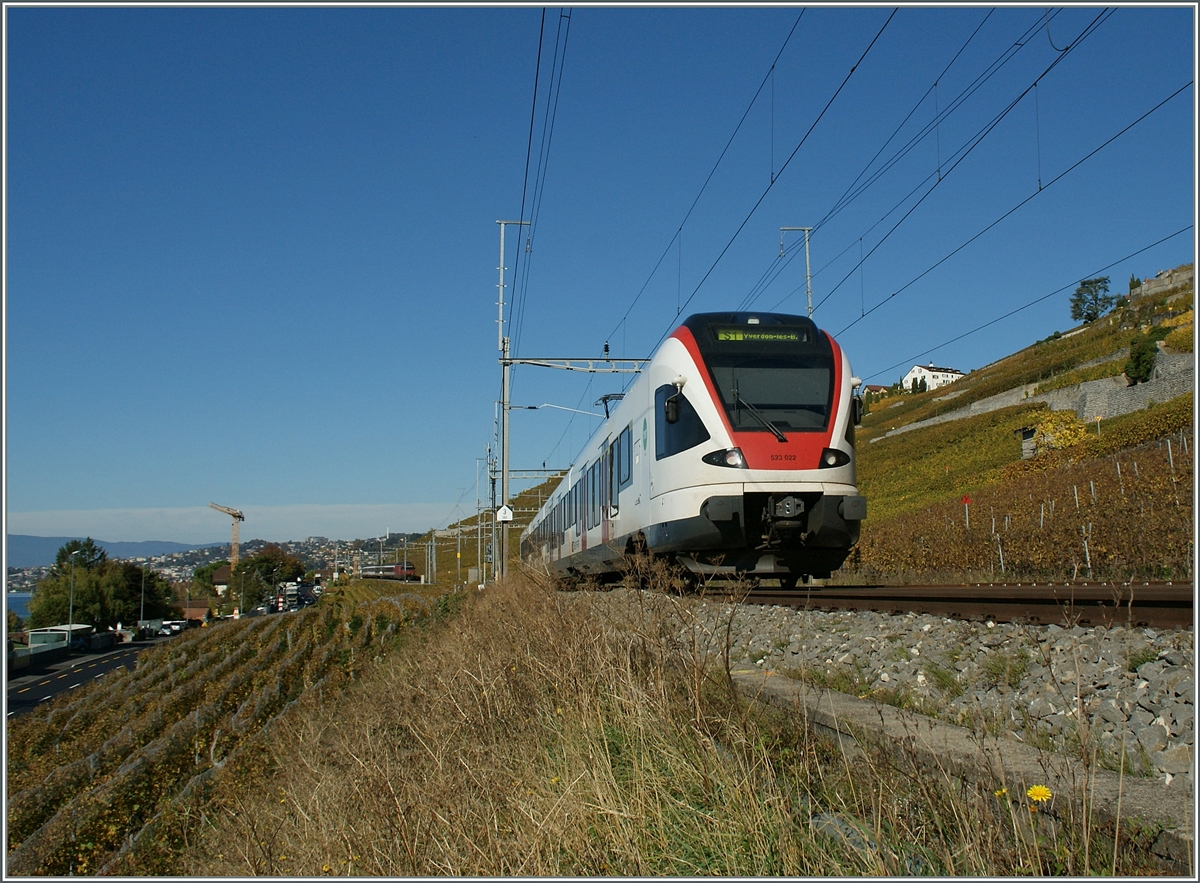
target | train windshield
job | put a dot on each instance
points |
(771, 377)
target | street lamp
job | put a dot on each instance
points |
(71, 607)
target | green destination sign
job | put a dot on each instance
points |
(743, 333)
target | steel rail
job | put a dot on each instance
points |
(1153, 605)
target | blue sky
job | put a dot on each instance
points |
(250, 253)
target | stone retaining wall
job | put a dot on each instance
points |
(1174, 375)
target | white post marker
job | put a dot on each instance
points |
(504, 514)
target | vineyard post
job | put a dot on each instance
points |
(1042, 518)
(1001, 551)
(1075, 488)
(1086, 554)
(1092, 485)
(1119, 479)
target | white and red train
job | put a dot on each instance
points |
(732, 454)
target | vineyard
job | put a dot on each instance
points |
(1078, 514)
(112, 778)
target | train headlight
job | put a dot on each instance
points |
(832, 457)
(731, 457)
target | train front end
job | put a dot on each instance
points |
(754, 461)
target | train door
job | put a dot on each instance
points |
(605, 482)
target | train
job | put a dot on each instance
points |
(403, 571)
(730, 456)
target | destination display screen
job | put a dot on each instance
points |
(760, 334)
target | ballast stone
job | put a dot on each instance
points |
(962, 670)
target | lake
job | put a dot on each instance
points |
(18, 603)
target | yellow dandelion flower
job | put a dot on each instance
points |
(554, 780)
(1000, 792)
(1039, 793)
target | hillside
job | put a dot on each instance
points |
(952, 489)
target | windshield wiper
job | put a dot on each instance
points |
(758, 415)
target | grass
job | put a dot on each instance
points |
(511, 732)
(547, 734)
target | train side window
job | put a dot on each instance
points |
(685, 433)
(626, 465)
(593, 510)
(603, 479)
(613, 467)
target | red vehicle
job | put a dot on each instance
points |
(403, 571)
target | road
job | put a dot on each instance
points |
(43, 684)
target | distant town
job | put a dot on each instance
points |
(317, 553)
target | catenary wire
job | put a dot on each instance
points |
(704, 186)
(1034, 302)
(975, 85)
(786, 162)
(961, 155)
(539, 186)
(1041, 190)
(778, 264)
(547, 130)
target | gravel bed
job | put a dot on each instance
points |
(1131, 685)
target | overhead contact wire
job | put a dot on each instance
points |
(1031, 196)
(786, 162)
(1034, 302)
(704, 186)
(964, 152)
(851, 194)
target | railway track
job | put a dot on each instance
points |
(1153, 605)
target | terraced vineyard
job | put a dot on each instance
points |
(113, 778)
(1098, 510)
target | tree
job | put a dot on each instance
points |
(1142, 350)
(90, 555)
(1058, 430)
(923, 386)
(105, 593)
(202, 579)
(1091, 300)
(1134, 282)
(259, 573)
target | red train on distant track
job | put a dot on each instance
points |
(731, 454)
(404, 571)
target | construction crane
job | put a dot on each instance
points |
(233, 545)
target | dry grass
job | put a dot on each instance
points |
(543, 733)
